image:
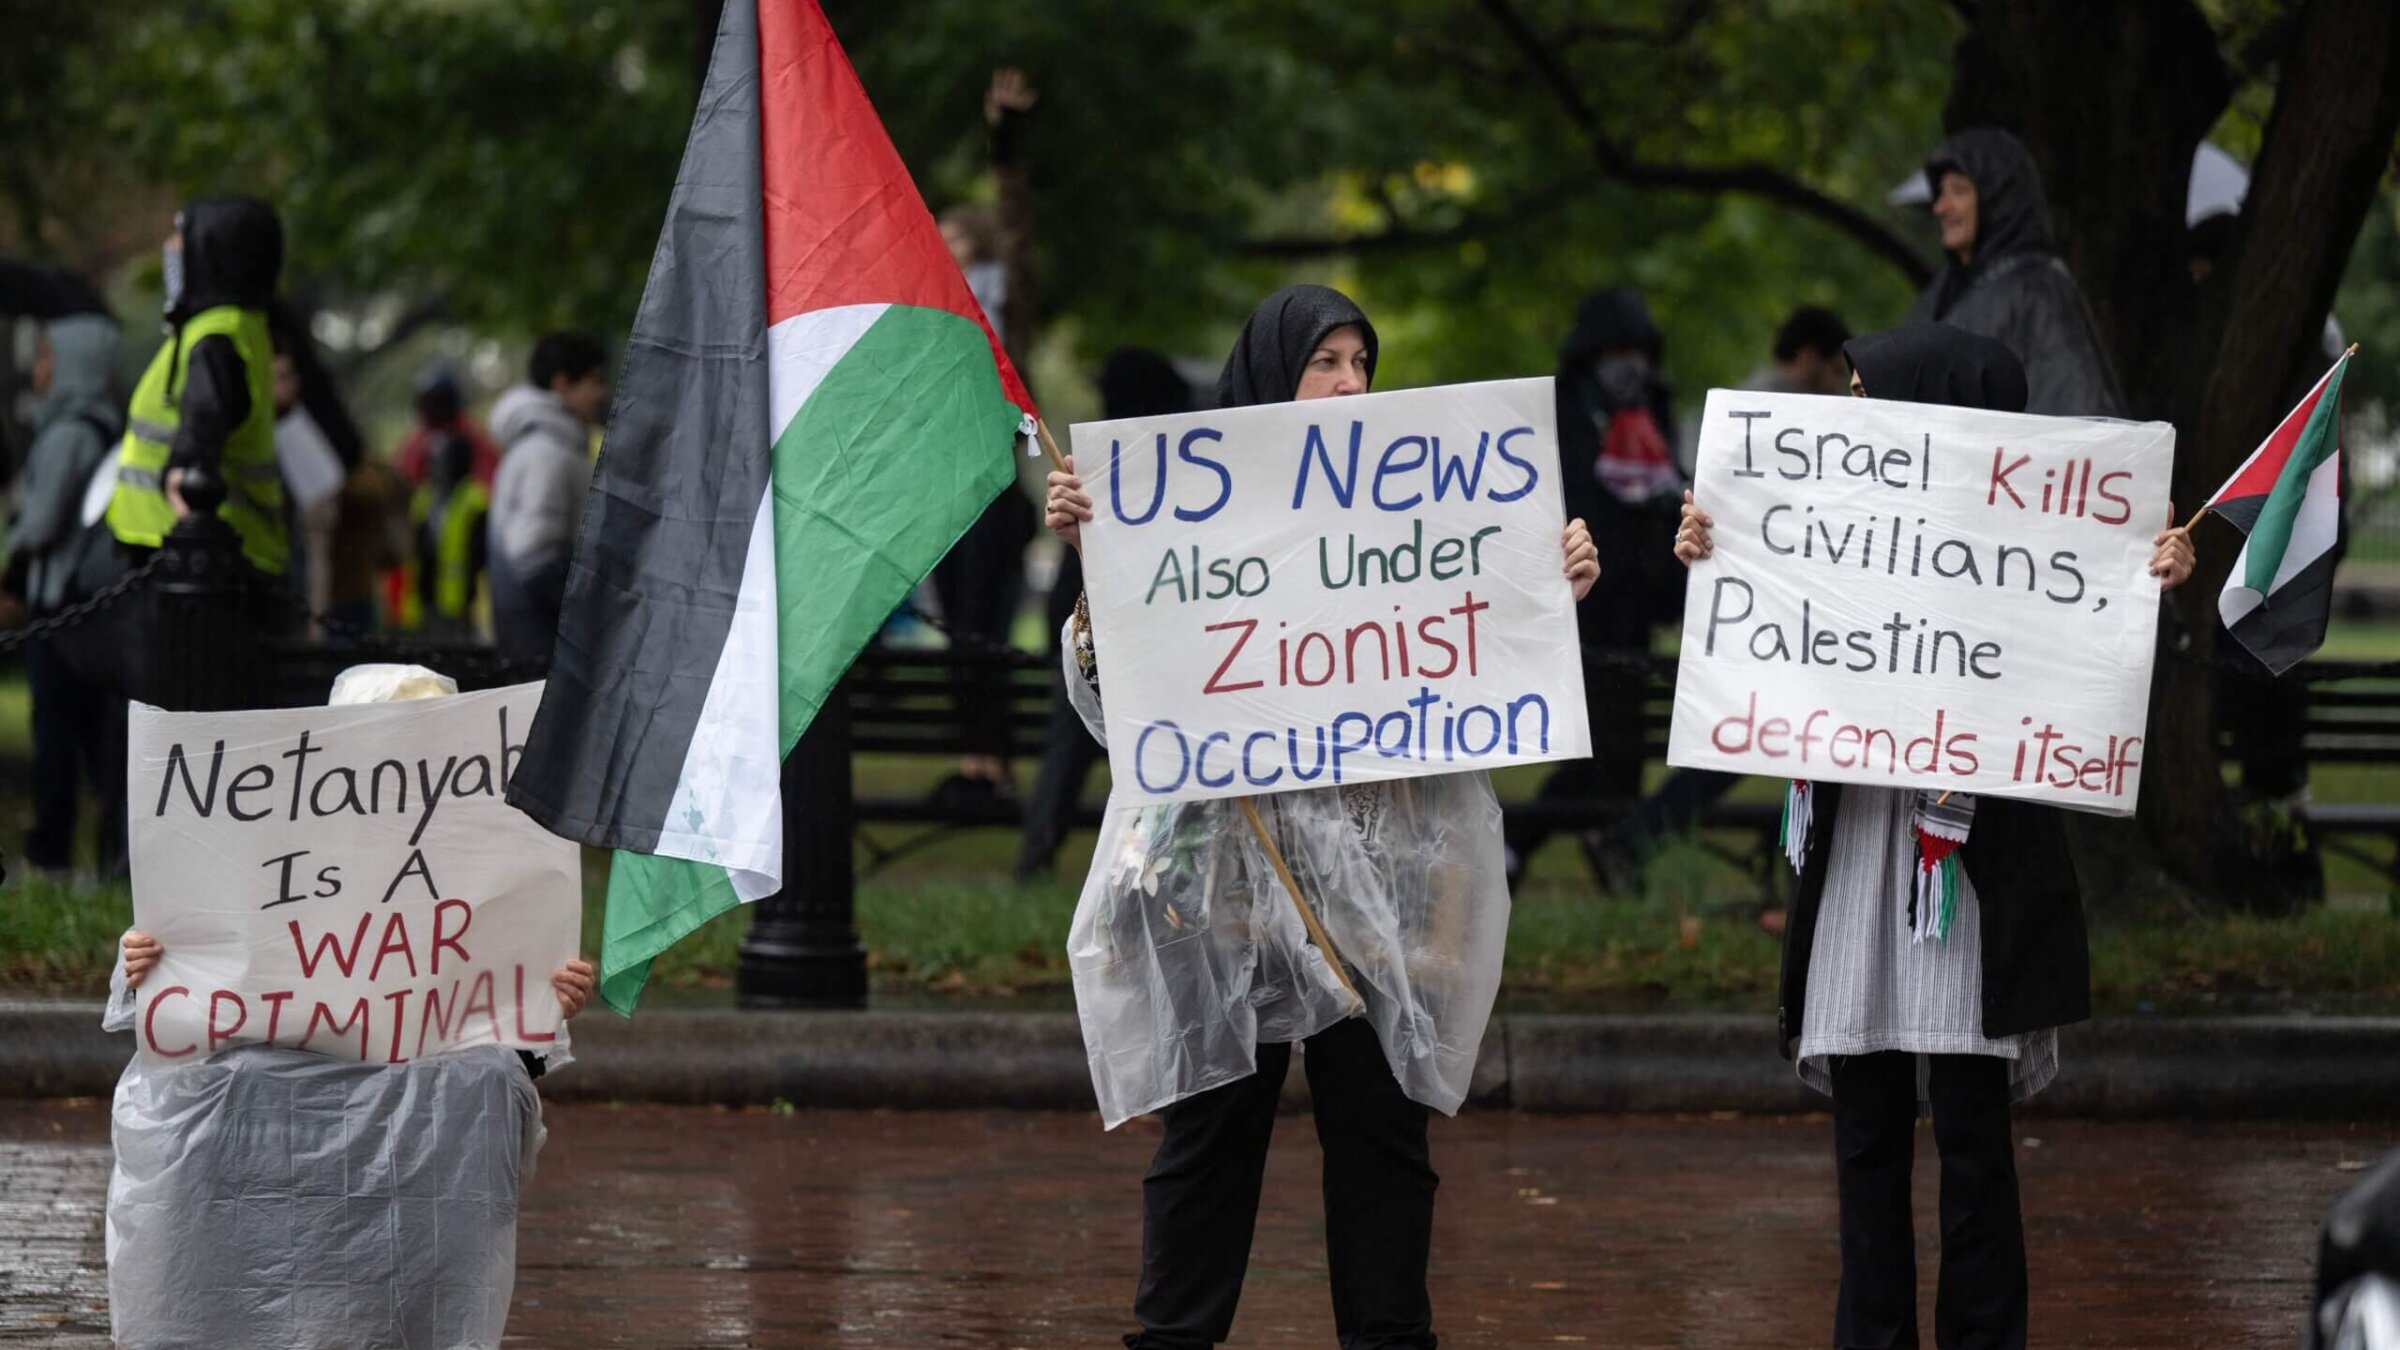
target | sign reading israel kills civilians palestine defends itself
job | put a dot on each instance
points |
(346, 880)
(1337, 591)
(1923, 597)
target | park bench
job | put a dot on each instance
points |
(904, 701)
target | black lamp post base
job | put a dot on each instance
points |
(779, 973)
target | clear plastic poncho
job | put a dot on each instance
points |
(276, 1199)
(1187, 952)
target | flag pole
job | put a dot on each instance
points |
(1266, 841)
(1041, 429)
(1308, 918)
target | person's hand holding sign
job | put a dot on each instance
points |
(1583, 560)
(1067, 507)
(1692, 542)
(573, 981)
(2172, 562)
(141, 953)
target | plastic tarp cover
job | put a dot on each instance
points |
(275, 1199)
(1187, 953)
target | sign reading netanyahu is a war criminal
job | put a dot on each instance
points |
(1924, 597)
(1331, 592)
(347, 880)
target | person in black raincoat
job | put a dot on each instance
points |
(1616, 456)
(2005, 279)
(1869, 988)
(1194, 1015)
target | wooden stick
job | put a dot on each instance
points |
(1041, 430)
(1316, 931)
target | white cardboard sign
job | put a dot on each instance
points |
(1334, 591)
(348, 880)
(1928, 597)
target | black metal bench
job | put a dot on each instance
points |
(2354, 718)
(906, 701)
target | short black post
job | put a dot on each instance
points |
(200, 650)
(802, 950)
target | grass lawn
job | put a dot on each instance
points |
(942, 923)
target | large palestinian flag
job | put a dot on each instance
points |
(812, 410)
(2287, 499)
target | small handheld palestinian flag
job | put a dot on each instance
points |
(812, 410)
(2287, 499)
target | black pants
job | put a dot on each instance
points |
(979, 582)
(78, 741)
(1200, 1200)
(1979, 1300)
(1068, 750)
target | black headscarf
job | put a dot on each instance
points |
(1936, 363)
(232, 254)
(1138, 382)
(1280, 336)
(2011, 214)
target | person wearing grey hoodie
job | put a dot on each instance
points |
(544, 428)
(60, 552)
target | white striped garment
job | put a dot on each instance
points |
(1871, 985)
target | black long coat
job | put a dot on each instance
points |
(2036, 961)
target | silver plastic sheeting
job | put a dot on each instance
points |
(279, 1200)
(1187, 952)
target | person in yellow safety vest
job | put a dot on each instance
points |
(446, 569)
(207, 398)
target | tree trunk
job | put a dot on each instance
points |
(2328, 142)
(2112, 100)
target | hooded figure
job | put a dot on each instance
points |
(58, 555)
(207, 399)
(1194, 972)
(537, 507)
(1616, 438)
(2010, 284)
(1946, 928)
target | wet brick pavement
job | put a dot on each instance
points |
(675, 1227)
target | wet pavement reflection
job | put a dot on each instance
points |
(676, 1227)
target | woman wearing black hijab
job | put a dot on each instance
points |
(1877, 976)
(1193, 973)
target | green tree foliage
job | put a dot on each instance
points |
(507, 162)
(1189, 154)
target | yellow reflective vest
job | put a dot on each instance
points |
(138, 511)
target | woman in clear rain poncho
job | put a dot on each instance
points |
(1194, 971)
(1893, 979)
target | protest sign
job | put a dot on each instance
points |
(1923, 597)
(347, 880)
(1329, 592)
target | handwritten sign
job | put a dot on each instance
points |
(1924, 597)
(346, 880)
(1330, 592)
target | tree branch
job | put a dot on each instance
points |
(1754, 179)
(414, 320)
(1686, 21)
(1401, 236)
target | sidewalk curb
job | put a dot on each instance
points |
(2234, 1068)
